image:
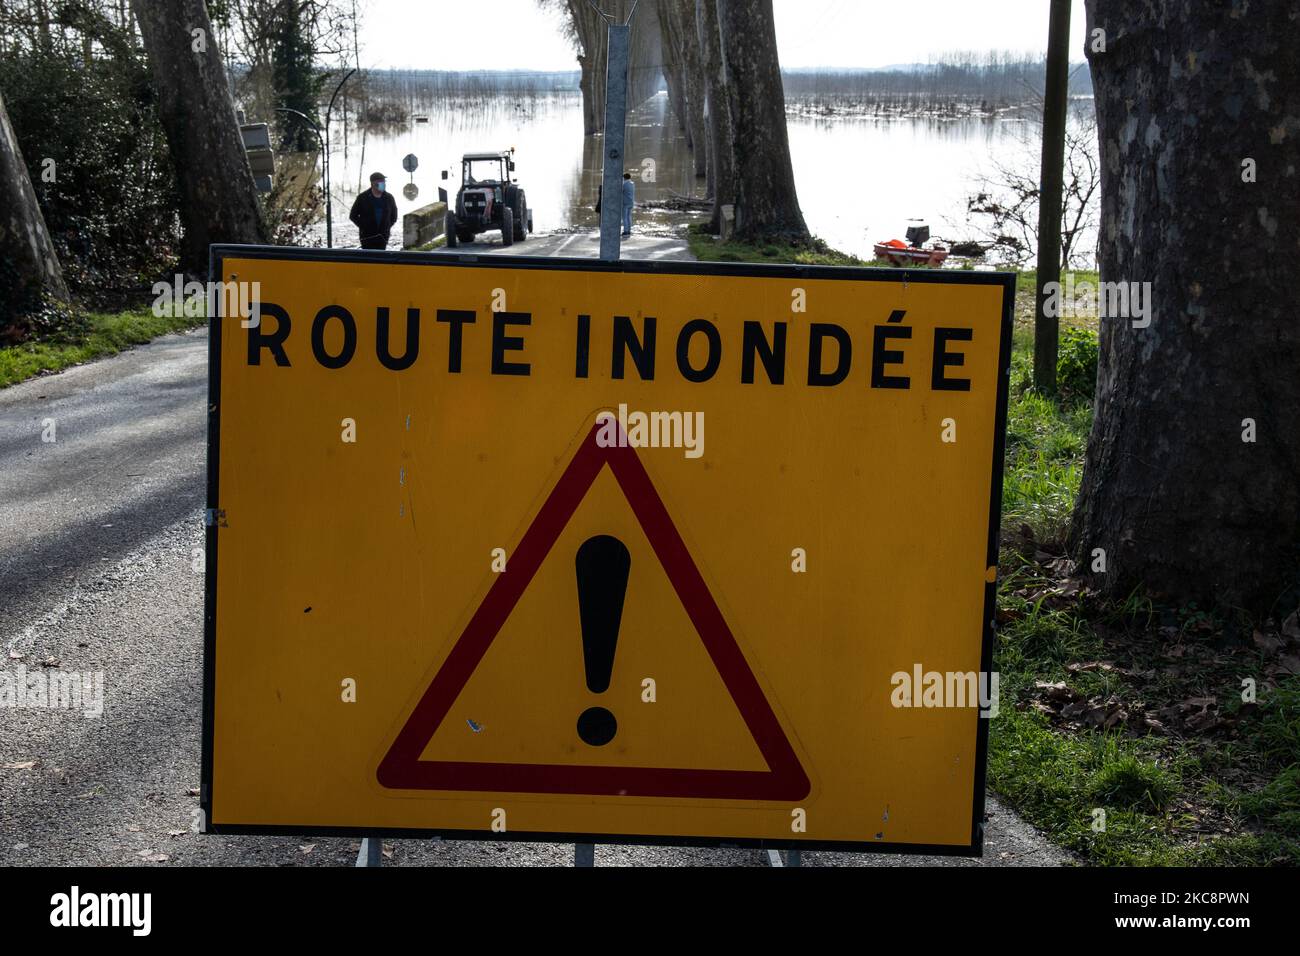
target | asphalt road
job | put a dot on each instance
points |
(652, 243)
(99, 533)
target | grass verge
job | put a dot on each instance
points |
(707, 248)
(107, 334)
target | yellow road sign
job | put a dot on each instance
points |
(643, 552)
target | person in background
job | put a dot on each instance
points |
(629, 200)
(375, 213)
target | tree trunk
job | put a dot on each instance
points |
(29, 267)
(767, 206)
(591, 119)
(1192, 480)
(683, 17)
(720, 154)
(218, 199)
(647, 58)
(674, 66)
(591, 32)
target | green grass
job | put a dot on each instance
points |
(1167, 801)
(1044, 461)
(1277, 803)
(108, 334)
(1027, 281)
(708, 249)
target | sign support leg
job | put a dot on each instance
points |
(611, 202)
(584, 854)
(791, 858)
(371, 852)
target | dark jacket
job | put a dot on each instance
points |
(363, 215)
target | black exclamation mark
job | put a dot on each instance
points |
(603, 563)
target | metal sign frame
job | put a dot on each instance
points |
(1005, 280)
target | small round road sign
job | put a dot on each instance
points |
(410, 163)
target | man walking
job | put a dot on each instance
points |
(375, 213)
(629, 200)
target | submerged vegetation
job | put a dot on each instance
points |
(955, 84)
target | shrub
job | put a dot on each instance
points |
(1076, 365)
(99, 164)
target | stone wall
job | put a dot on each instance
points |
(423, 225)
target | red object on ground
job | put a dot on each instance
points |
(900, 253)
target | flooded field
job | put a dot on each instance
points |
(859, 178)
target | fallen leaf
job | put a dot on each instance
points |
(153, 856)
(307, 847)
(25, 765)
(1059, 691)
(1061, 566)
(1071, 711)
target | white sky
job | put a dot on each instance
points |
(504, 34)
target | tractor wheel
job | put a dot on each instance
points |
(452, 231)
(507, 227)
(466, 236)
(521, 217)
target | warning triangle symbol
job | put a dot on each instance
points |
(402, 767)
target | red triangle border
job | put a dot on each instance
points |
(402, 769)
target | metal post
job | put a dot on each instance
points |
(329, 205)
(1055, 105)
(584, 854)
(611, 208)
(323, 138)
(371, 852)
(791, 858)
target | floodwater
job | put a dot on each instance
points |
(860, 179)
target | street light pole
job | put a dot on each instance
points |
(323, 136)
(325, 166)
(329, 218)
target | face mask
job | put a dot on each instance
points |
(382, 187)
